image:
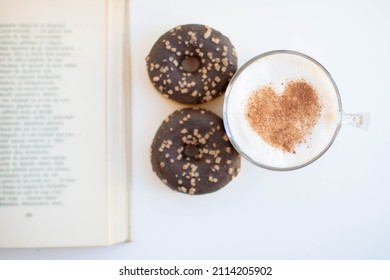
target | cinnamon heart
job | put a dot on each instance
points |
(284, 121)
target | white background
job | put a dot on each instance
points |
(336, 208)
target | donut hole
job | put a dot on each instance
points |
(190, 64)
(191, 151)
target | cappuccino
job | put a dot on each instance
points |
(282, 110)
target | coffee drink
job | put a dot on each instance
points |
(282, 110)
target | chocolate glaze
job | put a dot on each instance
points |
(214, 52)
(191, 152)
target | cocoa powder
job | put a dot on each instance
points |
(284, 121)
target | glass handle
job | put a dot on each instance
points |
(360, 120)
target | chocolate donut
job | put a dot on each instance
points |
(191, 152)
(192, 64)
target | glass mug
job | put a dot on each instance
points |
(282, 110)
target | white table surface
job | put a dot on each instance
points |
(336, 208)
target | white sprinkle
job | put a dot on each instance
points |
(225, 62)
(215, 40)
(207, 33)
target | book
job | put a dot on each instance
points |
(64, 123)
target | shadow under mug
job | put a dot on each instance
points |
(279, 67)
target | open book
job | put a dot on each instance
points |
(63, 123)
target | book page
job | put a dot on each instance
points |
(118, 140)
(53, 123)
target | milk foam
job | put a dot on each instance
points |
(276, 70)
